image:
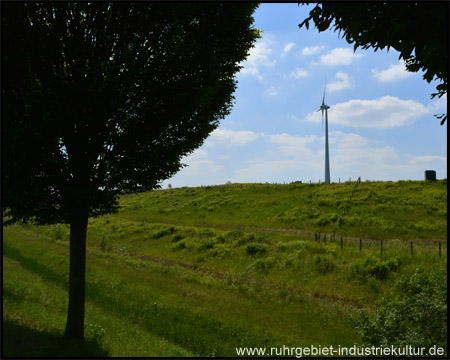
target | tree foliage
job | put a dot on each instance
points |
(104, 98)
(417, 317)
(417, 30)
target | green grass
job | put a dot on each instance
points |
(382, 210)
(175, 289)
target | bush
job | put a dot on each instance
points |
(372, 267)
(205, 233)
(179, 245)
(327, 219)
(163, 232)
(324, 264)
(234, 234)
(207, 245)
(177, 238)
(261, 265)
(211, 243)
(255, 248)
(220, 251)
(417, 317)
(245, 239)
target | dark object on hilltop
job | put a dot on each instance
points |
(430, 175)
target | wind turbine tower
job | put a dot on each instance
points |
(325, 108)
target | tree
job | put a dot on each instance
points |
(417, 317)
(102, 99)
(418, 30)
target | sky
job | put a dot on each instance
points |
(381, 123)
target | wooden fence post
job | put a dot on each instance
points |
(360, 244)
(342, 243)
(411, 247)
(381, 247)
(325, 238)
(439, 249)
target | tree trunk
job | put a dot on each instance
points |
(77, 278)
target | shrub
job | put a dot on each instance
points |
(211, 243)
(234, 234)
(324, 264)
(179, 245)
(327, 219)
(177, 238)
(207, 245)
(205, 232)
(372, 267)
(417, 317)
(163, 232)
(255, 248)
(261, 265)
(219, 251)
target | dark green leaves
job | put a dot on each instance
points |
(419, 31)
(126, 89)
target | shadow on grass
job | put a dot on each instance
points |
(22, 341)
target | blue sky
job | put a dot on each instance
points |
(381, 123)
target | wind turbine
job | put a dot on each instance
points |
(325, 108)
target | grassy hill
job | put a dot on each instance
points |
(380, 210)
(158, 284)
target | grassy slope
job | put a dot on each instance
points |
(385, 210)
(211, 292)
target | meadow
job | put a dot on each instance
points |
(201, 271)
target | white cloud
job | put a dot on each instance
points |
(293, 145)
(259, 57)
(351, 155)
(339, 56)
(385, 112)
(268, 170)
(197, 164)
(311, 50)
(228, 138)
(428, 159)
(201, 167)
(196, 155)
(288, 48)
(298, 73)
(394, 73)
(272, 91)
(359, 156)
(438, 104)
(354, 149)
(344, 81)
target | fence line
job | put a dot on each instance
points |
(332, 238)
(247, 185)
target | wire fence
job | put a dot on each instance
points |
(250, 185)
(383, 245)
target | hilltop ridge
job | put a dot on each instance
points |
(380, 210)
